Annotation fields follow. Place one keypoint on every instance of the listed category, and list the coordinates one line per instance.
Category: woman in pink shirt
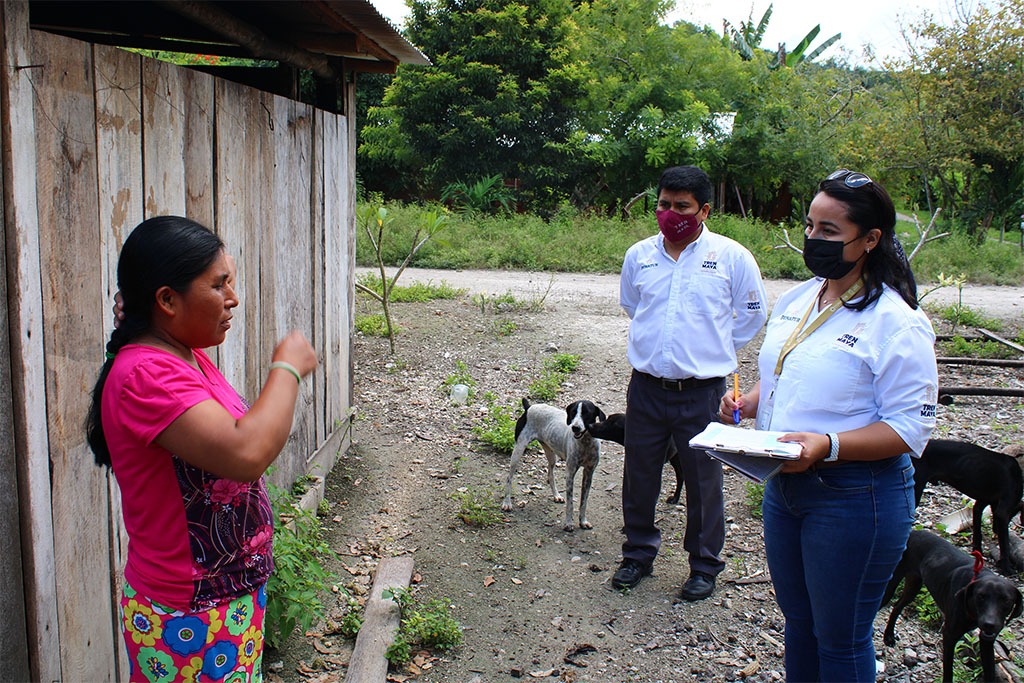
(189, 455)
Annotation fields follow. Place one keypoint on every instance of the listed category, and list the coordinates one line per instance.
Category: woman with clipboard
(848, 370)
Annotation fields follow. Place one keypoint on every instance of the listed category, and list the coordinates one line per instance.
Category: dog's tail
(521, 422)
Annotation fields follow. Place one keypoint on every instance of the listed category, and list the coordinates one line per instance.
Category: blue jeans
(833, 536)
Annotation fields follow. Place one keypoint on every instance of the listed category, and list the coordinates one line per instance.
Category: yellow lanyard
(799, 333)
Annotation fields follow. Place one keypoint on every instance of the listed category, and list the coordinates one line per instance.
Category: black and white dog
(562, 434)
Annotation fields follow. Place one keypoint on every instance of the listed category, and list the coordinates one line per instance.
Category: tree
(499, 98)
(747, 41)
(654, 96)
(954, 118)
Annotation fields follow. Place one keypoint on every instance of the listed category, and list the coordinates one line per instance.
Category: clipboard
(756, 468)
(757, 455)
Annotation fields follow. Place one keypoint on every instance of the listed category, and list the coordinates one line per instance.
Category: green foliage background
(583, 103)
(586, 242)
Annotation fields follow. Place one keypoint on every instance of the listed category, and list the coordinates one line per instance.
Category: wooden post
(380, 623)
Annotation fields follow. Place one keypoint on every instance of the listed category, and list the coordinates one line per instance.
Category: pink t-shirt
(195, 539)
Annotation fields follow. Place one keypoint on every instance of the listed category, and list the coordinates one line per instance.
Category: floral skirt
(224, 643)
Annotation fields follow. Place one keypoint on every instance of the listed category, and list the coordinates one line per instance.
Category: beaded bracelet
(280, 364)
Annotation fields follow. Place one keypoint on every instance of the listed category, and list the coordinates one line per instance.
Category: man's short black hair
(689, 179)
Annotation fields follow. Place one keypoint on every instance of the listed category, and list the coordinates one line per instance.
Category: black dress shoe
(697, 587)
(629, 574)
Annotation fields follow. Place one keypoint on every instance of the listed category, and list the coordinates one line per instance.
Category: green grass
(498, 427)
(417, 292)
(478, 508)
(375, 325)
(570, 242)
(423, 625)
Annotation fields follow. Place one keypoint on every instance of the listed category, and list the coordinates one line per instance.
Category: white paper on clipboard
(753, 442)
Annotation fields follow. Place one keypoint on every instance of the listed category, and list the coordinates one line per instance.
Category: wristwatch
(833, 448)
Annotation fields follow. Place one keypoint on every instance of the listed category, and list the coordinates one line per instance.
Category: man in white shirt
(694, 298)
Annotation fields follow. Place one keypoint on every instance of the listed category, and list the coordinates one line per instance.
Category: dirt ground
(535, 601)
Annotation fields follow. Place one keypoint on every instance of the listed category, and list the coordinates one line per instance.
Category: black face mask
(824, 258)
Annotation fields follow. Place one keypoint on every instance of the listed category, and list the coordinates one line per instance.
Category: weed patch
(299, 574)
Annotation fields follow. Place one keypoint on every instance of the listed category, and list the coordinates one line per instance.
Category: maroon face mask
(677, 227)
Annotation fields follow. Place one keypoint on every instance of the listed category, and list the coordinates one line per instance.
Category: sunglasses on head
(849, 178)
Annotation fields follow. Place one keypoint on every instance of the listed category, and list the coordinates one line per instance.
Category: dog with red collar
(968, 595)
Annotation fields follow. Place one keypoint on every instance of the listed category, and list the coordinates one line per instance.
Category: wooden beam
(381, 618)
(261, 45)
(995, 337)
(988, 362)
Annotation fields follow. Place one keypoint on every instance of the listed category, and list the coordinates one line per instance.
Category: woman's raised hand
(296, 350)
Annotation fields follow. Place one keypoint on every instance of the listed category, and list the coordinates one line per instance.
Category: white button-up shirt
(689, 317)
(858, 368)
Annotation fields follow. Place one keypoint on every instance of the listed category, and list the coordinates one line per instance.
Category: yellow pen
(736, 397)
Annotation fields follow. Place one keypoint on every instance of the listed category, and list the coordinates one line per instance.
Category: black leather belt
(688, 384)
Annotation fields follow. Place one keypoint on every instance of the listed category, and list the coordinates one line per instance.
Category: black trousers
(657, 414)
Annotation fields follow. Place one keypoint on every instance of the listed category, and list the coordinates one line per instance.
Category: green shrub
(975, 348)
(755, 496)
(960, 315)
(299, 575)
(375, 325)
(498, 428)
(597, 244)
(478, 508)
(564, 363)
(417, 292)
(428, 625)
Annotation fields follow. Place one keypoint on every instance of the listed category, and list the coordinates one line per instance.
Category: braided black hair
(163, 251)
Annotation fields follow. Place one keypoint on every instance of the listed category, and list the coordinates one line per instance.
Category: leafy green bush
(299, 575)
(375, 325)
(460, 375)
(961, 315)
(498, 428)
(590, 243)
(556, 369)
(975, 348)
(478, 508)
(417, 292)
(755, 496)
(564, 363)
(428, 625)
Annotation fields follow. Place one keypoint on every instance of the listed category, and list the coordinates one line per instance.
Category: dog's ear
(601, 417)
(1017, 606)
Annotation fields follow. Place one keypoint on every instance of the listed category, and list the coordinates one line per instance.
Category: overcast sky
(874, 22)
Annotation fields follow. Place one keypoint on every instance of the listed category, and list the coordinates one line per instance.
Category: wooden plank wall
(118, 138)
(13, 646)
(66, 185)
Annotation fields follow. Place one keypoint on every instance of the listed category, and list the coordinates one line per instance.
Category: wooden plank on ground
(995, 337)
(69, 241)
(381, 617)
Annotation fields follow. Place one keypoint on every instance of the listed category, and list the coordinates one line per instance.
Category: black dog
(967, 600)
(614, 429)
(990, 478)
